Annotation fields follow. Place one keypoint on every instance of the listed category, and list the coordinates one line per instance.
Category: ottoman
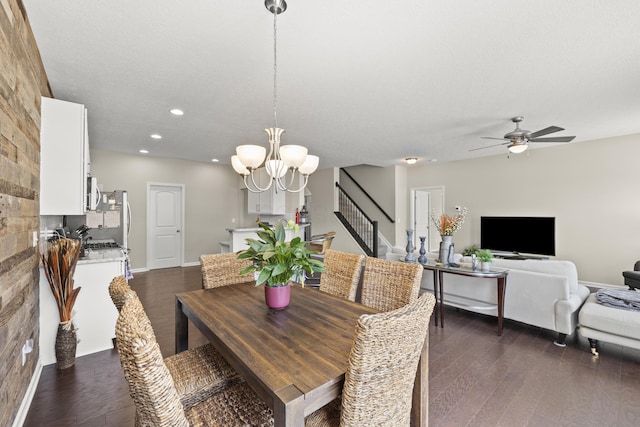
(609, 324)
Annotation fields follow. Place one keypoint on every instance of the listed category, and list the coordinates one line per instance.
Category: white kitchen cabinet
(94, 314)
(64, 158)
(267, 202)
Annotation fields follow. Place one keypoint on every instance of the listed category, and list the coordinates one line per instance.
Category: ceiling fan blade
(545, 131)
(489, 146)
(554, 139)
(490, 137)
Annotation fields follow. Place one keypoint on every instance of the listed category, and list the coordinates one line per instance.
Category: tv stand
(518, 256)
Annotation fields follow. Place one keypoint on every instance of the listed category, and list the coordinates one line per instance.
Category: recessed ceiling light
(177, 112)
(144, 151)
(215, 160)
(156, 136)
(411, 160)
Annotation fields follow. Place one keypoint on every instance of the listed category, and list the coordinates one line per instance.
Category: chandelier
(280, 159)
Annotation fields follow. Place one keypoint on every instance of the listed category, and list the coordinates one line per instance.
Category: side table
(438, 287)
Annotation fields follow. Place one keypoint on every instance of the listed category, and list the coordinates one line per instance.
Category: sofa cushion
(615, 321)
(555, 267)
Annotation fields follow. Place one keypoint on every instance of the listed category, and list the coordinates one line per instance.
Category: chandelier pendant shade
(282, 163)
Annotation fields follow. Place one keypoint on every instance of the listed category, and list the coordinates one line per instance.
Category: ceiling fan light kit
(279, 159)
(517, 141)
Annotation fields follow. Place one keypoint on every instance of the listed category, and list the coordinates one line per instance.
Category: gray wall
(213, 198)
(591, 188)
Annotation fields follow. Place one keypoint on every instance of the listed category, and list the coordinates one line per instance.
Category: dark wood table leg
(182, 328)
(435, 294)
(288, 408)
(502, 282)
(440, 276)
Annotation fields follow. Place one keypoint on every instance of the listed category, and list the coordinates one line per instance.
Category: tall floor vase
(66, 343)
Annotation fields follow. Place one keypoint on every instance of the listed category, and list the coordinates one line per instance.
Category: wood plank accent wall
(22, 81)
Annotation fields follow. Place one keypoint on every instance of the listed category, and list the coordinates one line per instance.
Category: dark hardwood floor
(476, 377)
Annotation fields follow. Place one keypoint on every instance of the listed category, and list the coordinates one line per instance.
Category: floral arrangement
(278, 262)
(447, 225)
(59, 264)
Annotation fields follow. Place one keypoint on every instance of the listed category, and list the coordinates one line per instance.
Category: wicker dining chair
(383, 363)
(223, 269)
(198, 372)
(388, 285)
(119, 291)
(342, 274)
(154, 392)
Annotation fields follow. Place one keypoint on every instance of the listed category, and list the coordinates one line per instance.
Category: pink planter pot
(277, 298)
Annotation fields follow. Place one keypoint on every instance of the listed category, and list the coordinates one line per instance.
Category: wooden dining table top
(300, 352)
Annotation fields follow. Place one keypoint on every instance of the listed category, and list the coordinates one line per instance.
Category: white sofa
(543, 293)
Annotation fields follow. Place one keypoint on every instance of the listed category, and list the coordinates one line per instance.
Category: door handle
(177, 231)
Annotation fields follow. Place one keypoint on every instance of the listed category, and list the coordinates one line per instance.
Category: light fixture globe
(293, 155)
(275, 168)
(517, 147)
(310, 165)
(238, 166)
(251, 156)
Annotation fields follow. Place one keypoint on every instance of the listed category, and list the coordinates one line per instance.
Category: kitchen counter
(239, 234)
(243, 229)
(93, 313)
(102, 256)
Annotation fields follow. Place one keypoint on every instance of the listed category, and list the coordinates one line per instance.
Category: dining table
(295, 359)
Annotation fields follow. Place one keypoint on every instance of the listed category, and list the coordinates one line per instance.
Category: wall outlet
(26, 349)
(35, 239)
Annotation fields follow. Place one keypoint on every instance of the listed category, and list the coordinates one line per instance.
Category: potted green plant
(484, 257)
(277, 263)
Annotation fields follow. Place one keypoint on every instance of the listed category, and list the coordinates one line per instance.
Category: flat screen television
(518, 234)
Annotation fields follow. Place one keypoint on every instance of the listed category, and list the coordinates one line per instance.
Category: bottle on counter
(297, 216)
(304, 215)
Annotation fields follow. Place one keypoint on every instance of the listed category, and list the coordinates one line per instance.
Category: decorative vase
(66, 343)
(445, 254)
(422, 259)
(409, 257)
(277, 297)
(485, 266)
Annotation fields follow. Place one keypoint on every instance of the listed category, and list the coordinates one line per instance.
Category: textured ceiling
(359, 82)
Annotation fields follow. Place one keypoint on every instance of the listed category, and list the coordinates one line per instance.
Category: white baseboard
(184, 264)
(594, 286)
(21, 416)
(190, 264)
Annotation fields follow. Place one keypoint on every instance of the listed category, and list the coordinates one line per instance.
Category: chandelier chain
(275, 65)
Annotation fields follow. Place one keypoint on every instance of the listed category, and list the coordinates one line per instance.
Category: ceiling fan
(517, 141)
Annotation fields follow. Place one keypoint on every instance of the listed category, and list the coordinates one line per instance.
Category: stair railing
(362, 228)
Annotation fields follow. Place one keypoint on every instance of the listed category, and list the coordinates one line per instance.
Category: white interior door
(422, 225)
(165, 223)
(425, 201)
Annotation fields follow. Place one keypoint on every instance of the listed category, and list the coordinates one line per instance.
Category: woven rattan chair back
(383, 363)
(119, 291)
(388, 285)
(342, 274)
(150, 383)
(223, 269)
